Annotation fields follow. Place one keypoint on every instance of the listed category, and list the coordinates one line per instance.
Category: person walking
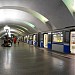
(14, 40)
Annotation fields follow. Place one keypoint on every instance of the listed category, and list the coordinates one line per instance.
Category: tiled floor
(28, 60)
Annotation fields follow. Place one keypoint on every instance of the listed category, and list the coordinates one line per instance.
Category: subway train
(59, 40)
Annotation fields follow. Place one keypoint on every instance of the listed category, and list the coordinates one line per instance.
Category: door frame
(43, 39)
(72, 30)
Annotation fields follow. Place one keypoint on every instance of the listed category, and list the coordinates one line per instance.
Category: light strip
(20, 30)
(74, 5)
(27, 23)
(70, 4)
(23, 27)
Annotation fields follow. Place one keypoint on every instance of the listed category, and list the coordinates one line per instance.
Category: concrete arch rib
(32, 12)
(18, 24)
(13, 30)
(12, 33)
(41, 18)
(21, 28)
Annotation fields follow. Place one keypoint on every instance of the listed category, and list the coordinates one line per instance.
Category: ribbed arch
(30, 11)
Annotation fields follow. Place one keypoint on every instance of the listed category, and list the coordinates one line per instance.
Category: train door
(34, 39)
(45, 40)
(72, 42)
(28, 39)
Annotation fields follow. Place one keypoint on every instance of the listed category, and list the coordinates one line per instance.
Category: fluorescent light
(49, 33)
(7, 30)
(74, 5)
(21, 30)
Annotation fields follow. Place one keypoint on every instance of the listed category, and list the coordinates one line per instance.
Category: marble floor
(24, 59)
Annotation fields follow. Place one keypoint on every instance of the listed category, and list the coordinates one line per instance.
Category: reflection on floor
(28, 60)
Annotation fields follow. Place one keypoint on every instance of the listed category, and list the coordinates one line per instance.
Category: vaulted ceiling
(32, 16)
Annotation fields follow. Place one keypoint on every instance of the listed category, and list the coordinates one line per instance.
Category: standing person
(14, 40)
(18, 41)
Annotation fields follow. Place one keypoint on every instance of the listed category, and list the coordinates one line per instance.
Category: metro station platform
(24, 59)
(69, 56)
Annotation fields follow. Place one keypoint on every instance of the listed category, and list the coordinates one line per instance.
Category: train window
(58, 37)
(31, 37)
